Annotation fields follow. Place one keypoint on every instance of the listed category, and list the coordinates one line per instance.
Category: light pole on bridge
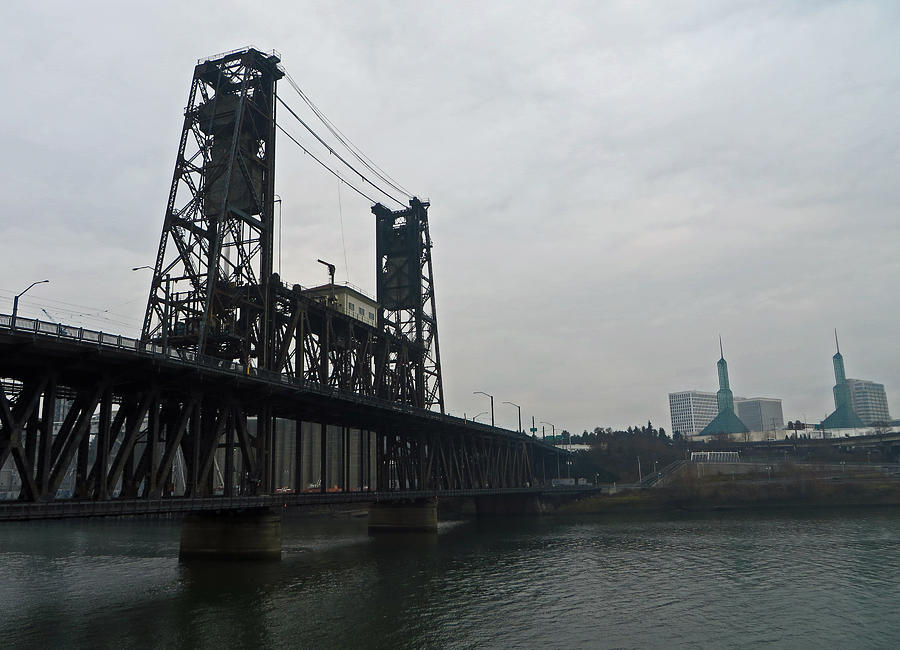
(519, 430)
(481, 392)
(168, 280)
(16, 301)
(475, 417)
(553, 428)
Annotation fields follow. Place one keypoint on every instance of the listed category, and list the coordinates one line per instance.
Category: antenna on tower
(721, 349)
(836, 344)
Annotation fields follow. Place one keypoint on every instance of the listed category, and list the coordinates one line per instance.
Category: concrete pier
(416, 516)
(232, 535)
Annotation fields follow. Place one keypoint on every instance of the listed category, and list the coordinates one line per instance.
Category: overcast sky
(613, 185)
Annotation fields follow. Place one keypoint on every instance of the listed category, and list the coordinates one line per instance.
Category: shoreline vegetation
(756, 487)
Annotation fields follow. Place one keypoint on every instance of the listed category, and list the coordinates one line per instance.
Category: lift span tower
(214, 292)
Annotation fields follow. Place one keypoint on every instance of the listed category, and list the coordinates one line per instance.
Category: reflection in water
(828, 579)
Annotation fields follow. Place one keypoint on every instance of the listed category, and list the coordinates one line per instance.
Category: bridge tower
(405, 294)
(210, 291)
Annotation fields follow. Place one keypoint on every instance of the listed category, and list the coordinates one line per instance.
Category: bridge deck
(35, 344)
(70, 508)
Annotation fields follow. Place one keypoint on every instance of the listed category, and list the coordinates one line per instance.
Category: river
(790, 579)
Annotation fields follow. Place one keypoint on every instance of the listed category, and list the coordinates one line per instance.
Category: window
(371, 316)
(352, 306)
(362, 310)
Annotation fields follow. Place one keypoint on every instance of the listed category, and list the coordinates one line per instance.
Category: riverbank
(686, 495)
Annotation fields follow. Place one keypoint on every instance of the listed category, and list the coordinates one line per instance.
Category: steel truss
(406, 302)
(135, 423)
(453, 463)
(214, 263)
(122, 441)
(213, 291)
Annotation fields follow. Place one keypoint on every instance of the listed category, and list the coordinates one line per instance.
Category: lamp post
(481, 392)
(552, 428)
(16, 301)
(475, 418)
(168, 280)
(519, 430)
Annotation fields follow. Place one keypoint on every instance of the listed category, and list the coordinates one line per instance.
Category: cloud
(612, 184)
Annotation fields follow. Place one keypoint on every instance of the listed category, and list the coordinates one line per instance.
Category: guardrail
(83, 336)
(656, 477)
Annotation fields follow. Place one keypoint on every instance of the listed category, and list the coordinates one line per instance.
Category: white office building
(869, 401)
(760, 413)
(691, 410)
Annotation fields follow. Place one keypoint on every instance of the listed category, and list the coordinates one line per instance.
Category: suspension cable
(356, 151)
(336, 175)
(336, 154)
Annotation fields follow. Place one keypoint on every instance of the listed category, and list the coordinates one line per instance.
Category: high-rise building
(691, 411)
(844, 417)
(727, 420)
(869, 401)
(760, 413)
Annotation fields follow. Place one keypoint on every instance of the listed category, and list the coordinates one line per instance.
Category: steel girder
(126, 440)
(463, 462)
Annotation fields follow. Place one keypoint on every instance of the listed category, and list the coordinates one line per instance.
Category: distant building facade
(760, 413)
(691, 410)
(869, 401)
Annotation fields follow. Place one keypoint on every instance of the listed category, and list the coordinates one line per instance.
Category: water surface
(826, 579)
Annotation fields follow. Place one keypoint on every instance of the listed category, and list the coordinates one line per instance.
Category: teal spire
(840, 377)
(726, 421)
(841, 389)
(844, 416)
(724, 398)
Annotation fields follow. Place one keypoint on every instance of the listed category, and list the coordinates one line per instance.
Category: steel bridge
(242, 386)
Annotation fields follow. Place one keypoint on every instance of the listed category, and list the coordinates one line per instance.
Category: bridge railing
(188, 358)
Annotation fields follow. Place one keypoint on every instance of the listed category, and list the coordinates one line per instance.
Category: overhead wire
(76, 311)
(329, 169)
(343, 139)
(337, 155)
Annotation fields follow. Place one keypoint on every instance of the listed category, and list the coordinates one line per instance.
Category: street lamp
(168, 280)
(553, 427)
(519, 430)
(481, 392)
(475, 418)
(16, 300)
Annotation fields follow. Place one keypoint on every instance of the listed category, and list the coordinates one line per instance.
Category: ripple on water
(734, 580)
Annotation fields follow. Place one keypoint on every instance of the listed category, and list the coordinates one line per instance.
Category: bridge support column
(232, 535)
(415, 516)
(511, 504)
